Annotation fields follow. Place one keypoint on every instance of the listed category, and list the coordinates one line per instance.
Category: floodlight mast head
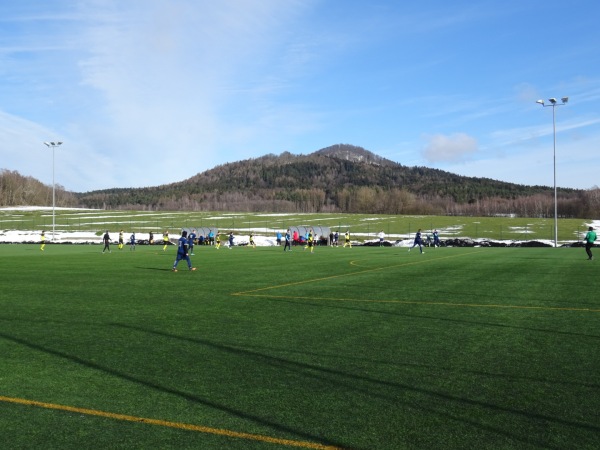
(564, 100)
(541, 102)
(552, 100)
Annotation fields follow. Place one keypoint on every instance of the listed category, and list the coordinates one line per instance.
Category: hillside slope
(341, 177)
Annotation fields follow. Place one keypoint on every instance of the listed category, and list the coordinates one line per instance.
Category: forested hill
(340, 178)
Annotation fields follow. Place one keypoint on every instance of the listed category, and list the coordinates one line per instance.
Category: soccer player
(230, 239)
(191, 238)
(418, 241)
(182, 252)
(165, 239)
(218, 242)
(381, 238)
(436, 238)
(151, 238)
(120, 246)
(252, 240)
(311, 241)
(288, 241)
(590, 238)
(347, 239)
(43, 239)
(106, 239)
(132, 242)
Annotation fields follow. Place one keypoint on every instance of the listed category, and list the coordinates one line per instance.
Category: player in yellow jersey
(311, 241)
(218, 240)
(43, 239)
(165, 239)
(252, 240)
(121, 240)
(347, 239)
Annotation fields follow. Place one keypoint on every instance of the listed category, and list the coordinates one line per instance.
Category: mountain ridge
(340, 177)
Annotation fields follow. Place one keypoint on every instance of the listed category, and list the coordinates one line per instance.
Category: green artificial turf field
(363, 348)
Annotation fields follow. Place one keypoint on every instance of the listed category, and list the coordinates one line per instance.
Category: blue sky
(148, 92)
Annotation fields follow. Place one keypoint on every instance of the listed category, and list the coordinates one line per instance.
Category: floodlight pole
(554, 104)
(53, 145)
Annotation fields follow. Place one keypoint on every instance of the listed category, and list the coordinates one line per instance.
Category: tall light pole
(554, 103)
(53, 145)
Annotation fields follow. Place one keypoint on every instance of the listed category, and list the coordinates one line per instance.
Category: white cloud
(449, 148)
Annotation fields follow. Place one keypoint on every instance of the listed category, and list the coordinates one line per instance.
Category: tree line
(20, 190)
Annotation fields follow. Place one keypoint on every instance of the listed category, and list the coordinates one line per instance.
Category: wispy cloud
(455, 147)
(152, 92)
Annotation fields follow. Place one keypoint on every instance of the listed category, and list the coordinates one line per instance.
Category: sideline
(164, 423)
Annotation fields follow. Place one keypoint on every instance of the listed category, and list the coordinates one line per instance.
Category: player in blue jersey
(288, 241)
(191, 239)
(418, 241)
(436, 238)
(182, 252)
(132, 241)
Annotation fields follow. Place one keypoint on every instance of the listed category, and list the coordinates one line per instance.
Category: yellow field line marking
(163, 423)
(331, 277)
(413, 302)
(254, 292)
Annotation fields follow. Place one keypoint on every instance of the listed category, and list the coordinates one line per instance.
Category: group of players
(185, 244)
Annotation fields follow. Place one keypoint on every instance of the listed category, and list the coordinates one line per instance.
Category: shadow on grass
(434, 402)
(158, 269)
(348, 380)
(441, 319)
(181, 394)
